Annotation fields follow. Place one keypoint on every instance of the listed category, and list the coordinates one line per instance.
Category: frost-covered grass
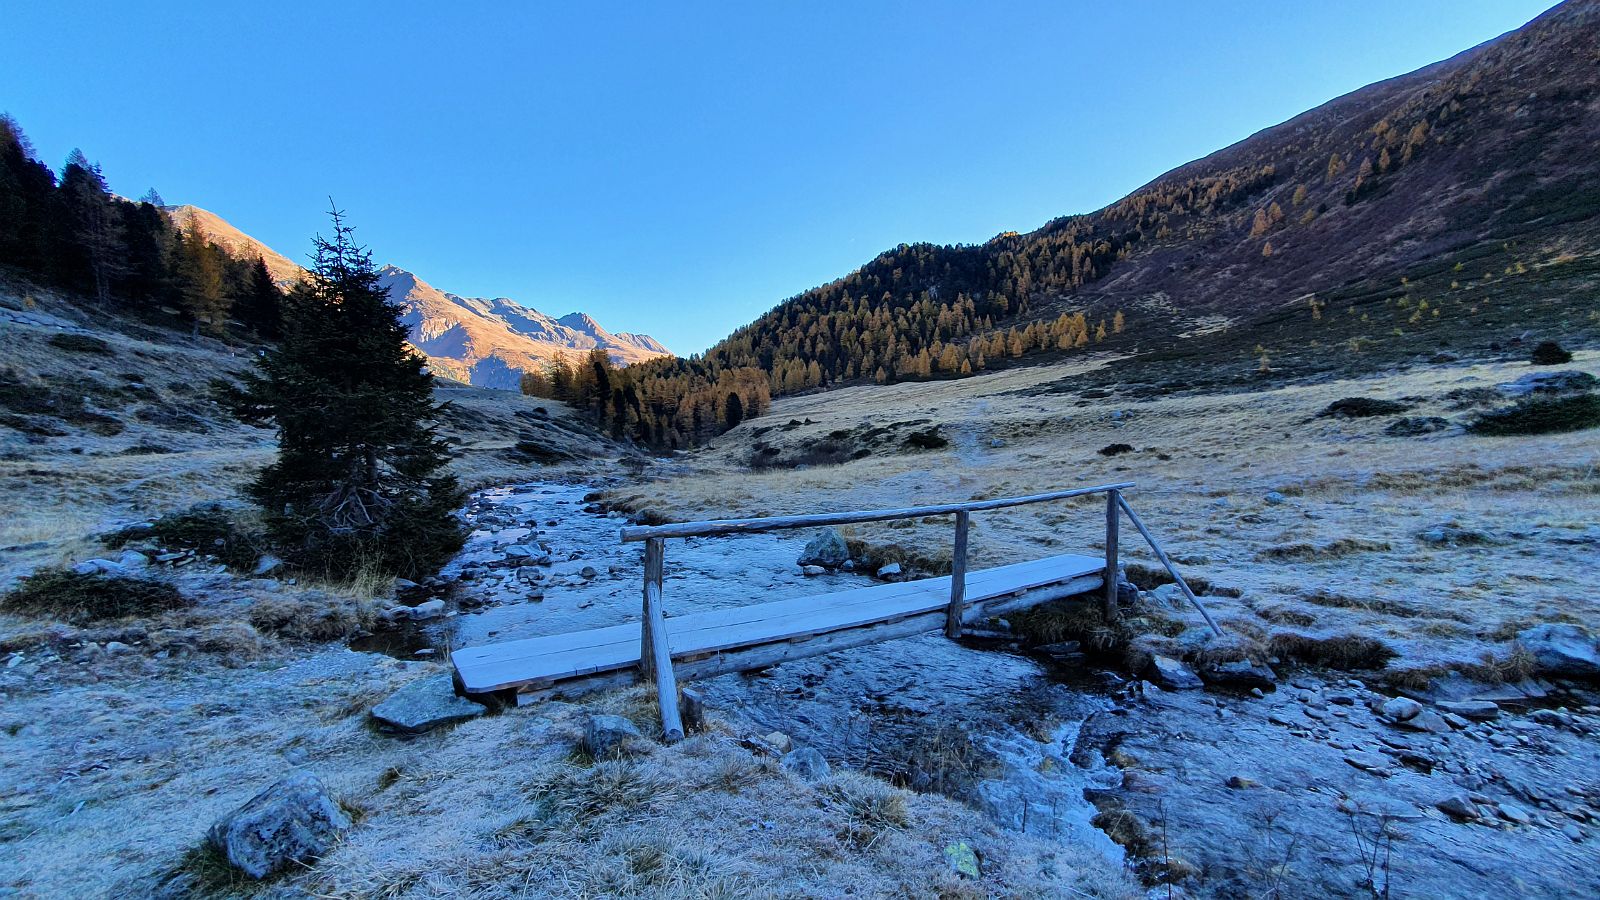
(1355, 500)
(501, 806)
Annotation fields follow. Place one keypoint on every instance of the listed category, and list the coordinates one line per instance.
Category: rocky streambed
(1317, 786)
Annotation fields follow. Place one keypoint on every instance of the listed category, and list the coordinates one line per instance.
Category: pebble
(1400, 709)
(1458, 806)
(1514, 813)
(1470, 709)
(1367, 760)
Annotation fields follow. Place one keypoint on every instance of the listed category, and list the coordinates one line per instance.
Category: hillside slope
(1467, 188)
(238, 244)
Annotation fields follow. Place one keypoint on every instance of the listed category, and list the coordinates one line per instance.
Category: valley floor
(1328, 546)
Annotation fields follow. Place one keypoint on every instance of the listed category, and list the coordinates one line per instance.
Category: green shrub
(1361, 408)
(927, 439)
(1541, 415)
(1550, 353)
(81, 343)
(79, 599)
(207, 529)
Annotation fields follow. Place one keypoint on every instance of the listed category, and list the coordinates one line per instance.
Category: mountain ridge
(487, 342)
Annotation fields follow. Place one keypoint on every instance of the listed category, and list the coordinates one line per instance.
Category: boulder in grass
(827, 549)
(806, 762)
(425, 704)
(1172, 674)
(605, 736)
(293, 821)
(1562, 649)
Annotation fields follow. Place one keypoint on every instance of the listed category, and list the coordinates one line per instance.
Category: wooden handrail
(1171, 569)
(655, 657)
(774, 523)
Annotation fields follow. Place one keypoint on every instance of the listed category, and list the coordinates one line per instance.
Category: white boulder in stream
(425, 704)
(294, 821)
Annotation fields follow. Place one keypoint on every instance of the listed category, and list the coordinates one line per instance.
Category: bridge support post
(1113, 521)
(655, 656)
(958, 578)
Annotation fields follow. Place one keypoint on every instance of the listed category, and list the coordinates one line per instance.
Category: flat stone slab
(425, 704)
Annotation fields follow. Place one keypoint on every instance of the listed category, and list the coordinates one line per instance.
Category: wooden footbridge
(714, 642)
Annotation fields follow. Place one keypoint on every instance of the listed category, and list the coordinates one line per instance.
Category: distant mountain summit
(485, 342)
(491, 342)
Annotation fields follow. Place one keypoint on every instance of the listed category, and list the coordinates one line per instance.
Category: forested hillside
(133, 257)
(1459, 197)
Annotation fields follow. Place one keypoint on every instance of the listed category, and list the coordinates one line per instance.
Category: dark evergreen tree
(358, 481)
(27, 205)
(259, 301)
(733, 411)
(91, 254)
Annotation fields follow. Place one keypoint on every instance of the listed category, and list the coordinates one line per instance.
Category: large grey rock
(425, 704)
(806, 762)
(1562, 649)
(1549, 383)
(827, 549)
(294, 821)
(1241, 674)
(428, 609)
(266, 565)
(133, 560)
(609, 735)
(1173, 674)
(98, 567)
(1471, 709)
(1458, 806)
(1400, 709)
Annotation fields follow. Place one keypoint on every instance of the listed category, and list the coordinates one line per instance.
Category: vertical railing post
(1113, 521)
(655, 655)
(655, 552)
(958, 578)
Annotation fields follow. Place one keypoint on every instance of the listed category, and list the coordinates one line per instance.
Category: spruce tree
(359, 479)
(259, 301)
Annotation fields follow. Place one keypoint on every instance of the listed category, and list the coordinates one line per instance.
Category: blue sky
(678, 168)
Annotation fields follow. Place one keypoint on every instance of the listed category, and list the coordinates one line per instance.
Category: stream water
(990, 727)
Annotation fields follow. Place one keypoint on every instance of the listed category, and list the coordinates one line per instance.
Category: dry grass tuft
(1340, 651)
(868, 806)
(310, 616)
(1339, 549)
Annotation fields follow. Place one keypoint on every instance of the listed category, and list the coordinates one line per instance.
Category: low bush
(1361, 408)
(312, 616)
(1549, 353)
(82, 343)
(1115, 449)
(208, 529)
(927, 439)
(79, 599)
(1541, 415)
(1342, 651)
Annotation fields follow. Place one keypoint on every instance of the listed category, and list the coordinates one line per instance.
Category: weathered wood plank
(818, 520)
(654, 566)
(556, 657)
(765, 655)
(1113, 521)
(660, 659)
(958, 578)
